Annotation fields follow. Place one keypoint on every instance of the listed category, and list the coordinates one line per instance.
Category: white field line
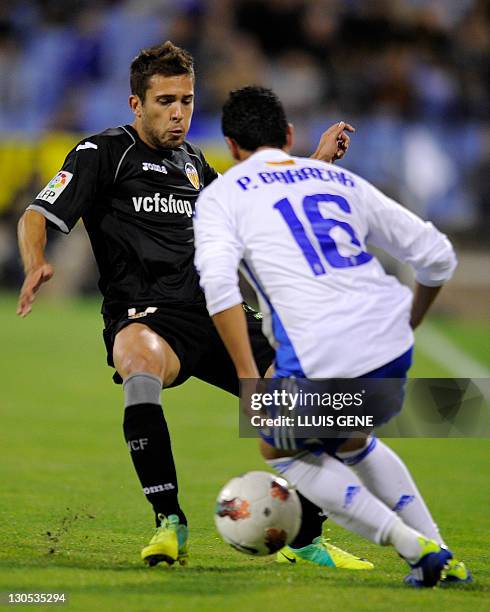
(439, 348)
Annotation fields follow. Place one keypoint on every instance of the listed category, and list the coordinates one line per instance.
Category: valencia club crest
(192, 175)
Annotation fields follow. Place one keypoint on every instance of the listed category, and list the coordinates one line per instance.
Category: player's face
(165, 115)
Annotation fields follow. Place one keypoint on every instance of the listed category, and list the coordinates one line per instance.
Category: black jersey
(137, 205)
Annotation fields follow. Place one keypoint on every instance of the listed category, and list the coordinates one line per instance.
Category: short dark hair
(166, 59)
(254, 117)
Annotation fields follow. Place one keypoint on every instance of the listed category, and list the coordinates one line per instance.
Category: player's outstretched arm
(32, 242)
(334, 142)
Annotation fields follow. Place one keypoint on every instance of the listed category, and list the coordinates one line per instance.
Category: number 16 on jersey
(321, 227)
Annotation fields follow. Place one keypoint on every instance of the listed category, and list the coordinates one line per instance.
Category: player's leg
(381, 469)
(387, 477)
(384, 473)
(331, 485)
(146, 362)
(310, 545)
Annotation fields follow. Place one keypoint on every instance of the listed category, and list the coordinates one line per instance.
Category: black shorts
(192, 335)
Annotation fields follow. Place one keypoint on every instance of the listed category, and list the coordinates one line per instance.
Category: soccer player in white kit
(298, 229)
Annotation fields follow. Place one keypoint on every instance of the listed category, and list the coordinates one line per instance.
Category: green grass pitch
(73, 518)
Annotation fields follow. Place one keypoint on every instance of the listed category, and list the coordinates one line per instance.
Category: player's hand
(334, 142)
(252, 386)
(33, 281)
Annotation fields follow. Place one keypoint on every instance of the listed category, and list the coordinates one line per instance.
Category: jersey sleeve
(71, 193)
(409, 239)
(218, 250)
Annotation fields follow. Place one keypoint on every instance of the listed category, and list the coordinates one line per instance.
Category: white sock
(387, 477)
(331, 485)
(405, 540)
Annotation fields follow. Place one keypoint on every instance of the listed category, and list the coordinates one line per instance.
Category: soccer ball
(258, 513)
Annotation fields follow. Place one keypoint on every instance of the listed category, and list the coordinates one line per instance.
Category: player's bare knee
(137, 359)
(139, 362)
(137, 349)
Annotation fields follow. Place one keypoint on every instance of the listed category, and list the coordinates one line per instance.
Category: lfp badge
(55, 187)
(192, 175)
(59, 180)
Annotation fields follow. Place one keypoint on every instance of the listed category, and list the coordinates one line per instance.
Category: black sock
(311, 523)
(146, 433)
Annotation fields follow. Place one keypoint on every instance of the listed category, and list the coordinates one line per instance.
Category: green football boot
(169, 544)
(320, 552)
(456, 573)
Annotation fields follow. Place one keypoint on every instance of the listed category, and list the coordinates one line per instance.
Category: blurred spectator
(275, 23)
(10, 58)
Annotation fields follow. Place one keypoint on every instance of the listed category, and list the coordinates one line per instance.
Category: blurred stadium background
(411, 75)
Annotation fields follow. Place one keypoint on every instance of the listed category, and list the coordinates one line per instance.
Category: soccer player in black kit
(135, 187)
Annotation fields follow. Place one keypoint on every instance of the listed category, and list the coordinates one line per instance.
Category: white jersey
(300, 229)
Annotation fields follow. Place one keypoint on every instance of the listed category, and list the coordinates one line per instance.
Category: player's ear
(234, 148)
(135, 105)
(290, 136)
